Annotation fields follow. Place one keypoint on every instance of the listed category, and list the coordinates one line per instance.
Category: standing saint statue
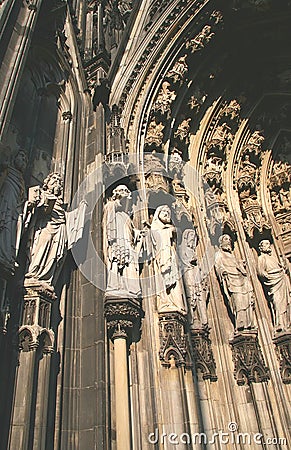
(121, 246)
(195, 287)
(235, 284)
(12, 198)
(169, 287)
(52, 231)
(275, 279)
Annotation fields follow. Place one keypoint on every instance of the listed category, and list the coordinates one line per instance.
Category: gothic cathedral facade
(145, 224)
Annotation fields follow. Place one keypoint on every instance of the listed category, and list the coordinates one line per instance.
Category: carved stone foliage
(249, 365)
(280, 186)
(202, 354)
(174, 346)
(283, 350)
(123, 317)
(248, 178)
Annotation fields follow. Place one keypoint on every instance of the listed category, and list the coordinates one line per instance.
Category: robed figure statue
(121, 246)
(275, 279)
(168, 279)
(235, 284)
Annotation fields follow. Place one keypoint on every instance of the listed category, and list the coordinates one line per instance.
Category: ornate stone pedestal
(174, 346)
(36, 318)
(282, 342)
(202, 353)
(249, 365)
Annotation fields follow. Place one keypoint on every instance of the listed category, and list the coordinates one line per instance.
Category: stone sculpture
(235, 284)
(121, 246)
(52, 231)
(195, 287)
(168, 279)
(275, 279)
(12, 198)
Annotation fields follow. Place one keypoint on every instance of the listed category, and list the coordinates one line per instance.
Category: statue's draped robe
(120, 254)
(277, 283)
(237, 288)
(168, 279)
(194, 285)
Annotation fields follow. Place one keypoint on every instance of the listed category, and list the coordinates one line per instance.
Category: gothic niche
(248, 179)
(239, 296)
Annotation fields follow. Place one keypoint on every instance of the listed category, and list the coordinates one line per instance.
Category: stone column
(123, 324)
(36, 342)
(123, 438)
(19, 431)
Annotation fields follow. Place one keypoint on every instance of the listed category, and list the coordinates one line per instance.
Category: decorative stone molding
(202, 354)
(282, 342)
(123, 317)
(67, 115)
(174, 348)
(249, 365)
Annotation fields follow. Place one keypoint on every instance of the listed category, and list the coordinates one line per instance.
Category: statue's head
(165, 214)
(20, 161)
(265, 246)
(121, 191)
(53, 184)
(225, 242)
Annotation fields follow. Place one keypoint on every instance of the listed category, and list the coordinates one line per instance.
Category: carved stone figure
(120, 246)
(179, 69)
(195, 287)
(275, 279)
(198, 43)
(12, 197)
(165, 98)
(183, 129)
(168, 280)
(52, 231)
(155, 133)
(235, 284)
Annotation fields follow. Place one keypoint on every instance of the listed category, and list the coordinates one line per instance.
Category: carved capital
(249, 365)
(174, 345)
(123, 317)
(67, 115)
(282, 342)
